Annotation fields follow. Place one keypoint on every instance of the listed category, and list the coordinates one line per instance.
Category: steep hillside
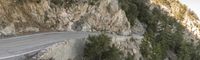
(183, 15)
(25, 16)
(172, 29)
(167, 29)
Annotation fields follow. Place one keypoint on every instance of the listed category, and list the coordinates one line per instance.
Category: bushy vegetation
(130, 9)
(93, 2)
(163, 34)
(98, 48)
(158, 42)
(188, 51)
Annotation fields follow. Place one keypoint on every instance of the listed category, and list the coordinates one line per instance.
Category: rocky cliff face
(25, 16)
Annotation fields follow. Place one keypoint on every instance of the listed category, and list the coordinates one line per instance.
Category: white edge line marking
(19, 54)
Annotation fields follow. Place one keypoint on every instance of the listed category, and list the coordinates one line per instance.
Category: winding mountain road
(10, 48)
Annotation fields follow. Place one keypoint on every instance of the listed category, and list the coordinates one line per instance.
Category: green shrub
(93, 2)
(130, 57)
(145, 48)
(188, 51)
(185, 51)
(98, 48)
(196, 53)
(57, 2)
(130, 9)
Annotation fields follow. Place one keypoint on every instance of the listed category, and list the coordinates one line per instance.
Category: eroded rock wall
(25, 16)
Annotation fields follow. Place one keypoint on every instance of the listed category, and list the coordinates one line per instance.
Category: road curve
(21, 45)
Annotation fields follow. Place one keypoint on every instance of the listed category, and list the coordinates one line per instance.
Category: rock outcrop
(25, 16)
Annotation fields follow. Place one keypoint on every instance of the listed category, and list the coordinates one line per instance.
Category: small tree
(98, 48)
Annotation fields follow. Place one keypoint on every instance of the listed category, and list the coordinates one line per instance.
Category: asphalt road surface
(11, 48)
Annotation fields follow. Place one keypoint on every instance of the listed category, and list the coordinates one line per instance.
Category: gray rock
(138, 28)
(8, 30)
